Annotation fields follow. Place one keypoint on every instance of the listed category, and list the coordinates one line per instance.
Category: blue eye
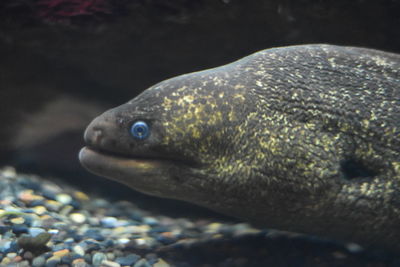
(140, 130)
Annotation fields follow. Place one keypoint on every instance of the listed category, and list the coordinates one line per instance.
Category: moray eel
(301, 138)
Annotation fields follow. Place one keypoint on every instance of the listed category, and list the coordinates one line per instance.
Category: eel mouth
(114, 165)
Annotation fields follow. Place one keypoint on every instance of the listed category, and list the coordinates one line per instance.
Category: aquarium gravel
(47, 223)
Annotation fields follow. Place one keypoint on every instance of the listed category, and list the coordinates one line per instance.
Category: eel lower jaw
(130, 171)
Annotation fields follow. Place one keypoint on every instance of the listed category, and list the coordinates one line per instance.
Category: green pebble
(98, 258)
(142, 263)
(78, 250)
(38, 261)
(80, 264)
(23, 264)
(107, 263)
(64, 198)
(110, 256)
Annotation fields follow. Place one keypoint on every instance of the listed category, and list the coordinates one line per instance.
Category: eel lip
(110, 165)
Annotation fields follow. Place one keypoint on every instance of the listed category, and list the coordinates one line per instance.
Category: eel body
(301, 138)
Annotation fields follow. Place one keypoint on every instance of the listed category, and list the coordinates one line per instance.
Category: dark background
(62, 62)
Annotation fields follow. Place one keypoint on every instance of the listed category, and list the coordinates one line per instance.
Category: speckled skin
(302, 138)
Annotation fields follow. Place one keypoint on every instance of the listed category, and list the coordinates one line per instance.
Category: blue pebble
(27, 211)
(88, 257)
(20, 229)
(87, 242)
(97, 236)
(94, 233)
(52, 263)
(150, 221)
(49, 194)
(37, 202)
(75, 204)
(28, 221)
(60, 247)
(98, 257)
(152, 261)
(47, 255)
(75, 256)
(108, 243)
(38, 261)
(92, 247)
(4, 229)
(109, 222)
(77, 237)
(165, 240)
(5, 246)
(69, 242)
(151, 258)
(13, 247)
(67, 260)
(34, 231)
(128, 260)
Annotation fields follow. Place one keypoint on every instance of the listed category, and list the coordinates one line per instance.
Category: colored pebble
(81, 196)
(128, 260)
(53, 205)
(8, 172)
(107, 263)
(95, 234)
(98, 258)
(77, 217)
(123, 241)
(53, 231)
(63, 198)
(109, 222)
(20, 229)
(7, 246)
(17, 220)
(34, 231)
(28, 196)
(4, 229)
(53, 261)
(6, 261)
(39, 210)
(23, 264)
(150, 221)
(81, 264)
(161, 263)
(61, 253)
(78, 250)
(17, 258)
(28, 255)
(142, 263)
(110, 256)
(66, 210)
(11, 255)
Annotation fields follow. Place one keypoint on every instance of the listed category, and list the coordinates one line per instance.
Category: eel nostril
(93, 135)
(97, 135)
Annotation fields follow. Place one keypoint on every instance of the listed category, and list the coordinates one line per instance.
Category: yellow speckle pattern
(283, 118)
(274, 129)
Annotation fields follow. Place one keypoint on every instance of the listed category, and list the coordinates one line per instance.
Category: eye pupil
(140, 130)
